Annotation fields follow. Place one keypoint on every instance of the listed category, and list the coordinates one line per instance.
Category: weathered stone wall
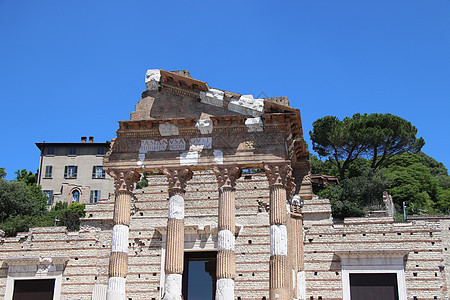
(425, 242)
(89, 249)
(445, 236)
(426, 265)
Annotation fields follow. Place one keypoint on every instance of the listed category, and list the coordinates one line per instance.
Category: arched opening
(75, 196)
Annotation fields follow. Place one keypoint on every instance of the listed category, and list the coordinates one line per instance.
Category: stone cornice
(200, 229)
(36, 260)
(372, 253)
(177, 81)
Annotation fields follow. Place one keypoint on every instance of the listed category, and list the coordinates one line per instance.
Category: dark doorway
(41, 289)
(373, 286)
(199, 276)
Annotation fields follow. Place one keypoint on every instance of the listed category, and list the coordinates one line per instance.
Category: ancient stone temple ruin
(225, 181)
(202, 139)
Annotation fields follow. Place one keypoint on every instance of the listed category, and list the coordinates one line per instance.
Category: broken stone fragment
(247, 105)
(254, 124)
(189, 158)
(167, 129)
(278, 240)
(205, 126)
(176, 207)
(152, 79)
(218, 156)
(212, 97)
(225, 289)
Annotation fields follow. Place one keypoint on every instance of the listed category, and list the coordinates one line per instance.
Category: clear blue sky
(75, 68)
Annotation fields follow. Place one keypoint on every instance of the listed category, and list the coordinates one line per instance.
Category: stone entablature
(142, 141)
(36, 265)
(35, 268)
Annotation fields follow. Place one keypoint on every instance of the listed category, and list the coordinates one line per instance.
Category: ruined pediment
(182, 121)
(175, 94)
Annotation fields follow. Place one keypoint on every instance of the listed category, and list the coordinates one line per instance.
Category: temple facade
(229, 187)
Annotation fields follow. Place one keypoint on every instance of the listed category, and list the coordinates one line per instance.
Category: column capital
(177, 177)
(124, 179)
(227, 175)
(279, 174)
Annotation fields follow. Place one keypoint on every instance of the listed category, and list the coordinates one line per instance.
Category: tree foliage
(354, 194)
(387, 135)
(28, 177)
(143, 182)
(414, 178)
(69, 216)
(413, 183)
(16, 198)
(340, 141)
(23, 205)
(376, 137)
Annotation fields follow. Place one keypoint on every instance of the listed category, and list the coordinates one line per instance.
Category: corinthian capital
(177, 178)
(227, 175)
(124, 179)
(279, 174)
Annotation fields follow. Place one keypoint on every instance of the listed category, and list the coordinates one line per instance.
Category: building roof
(41, 145)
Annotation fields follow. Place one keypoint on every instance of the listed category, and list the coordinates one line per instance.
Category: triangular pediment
(172, 95)
(183, 121)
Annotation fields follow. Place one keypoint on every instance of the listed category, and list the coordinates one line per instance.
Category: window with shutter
(95, 196)
(48, 171)
(49, 195)
(98, 172)
(70, 172)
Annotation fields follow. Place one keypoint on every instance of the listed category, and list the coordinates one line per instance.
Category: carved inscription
(162, 145)
(177, 144)
(153, 145)
(200, 143)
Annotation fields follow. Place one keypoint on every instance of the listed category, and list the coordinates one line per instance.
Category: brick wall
(426, 265)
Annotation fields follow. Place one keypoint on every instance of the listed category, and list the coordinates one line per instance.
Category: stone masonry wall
(424, 240)
(426, 265)
(89, 248)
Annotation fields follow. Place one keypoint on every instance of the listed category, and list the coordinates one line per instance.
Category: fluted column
(173, 268)
(226, 258)
(118, 260)
(278, 175)
(301, 288)
(297, 226)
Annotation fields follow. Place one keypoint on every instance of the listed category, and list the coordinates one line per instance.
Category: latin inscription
(162, 145)
(200, 143)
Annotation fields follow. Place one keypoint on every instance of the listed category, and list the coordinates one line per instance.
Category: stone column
(174, 263)
(301, 288)
(226, 258)
(297, 225)
(118, 260)
(291, 231)
(278, 175)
